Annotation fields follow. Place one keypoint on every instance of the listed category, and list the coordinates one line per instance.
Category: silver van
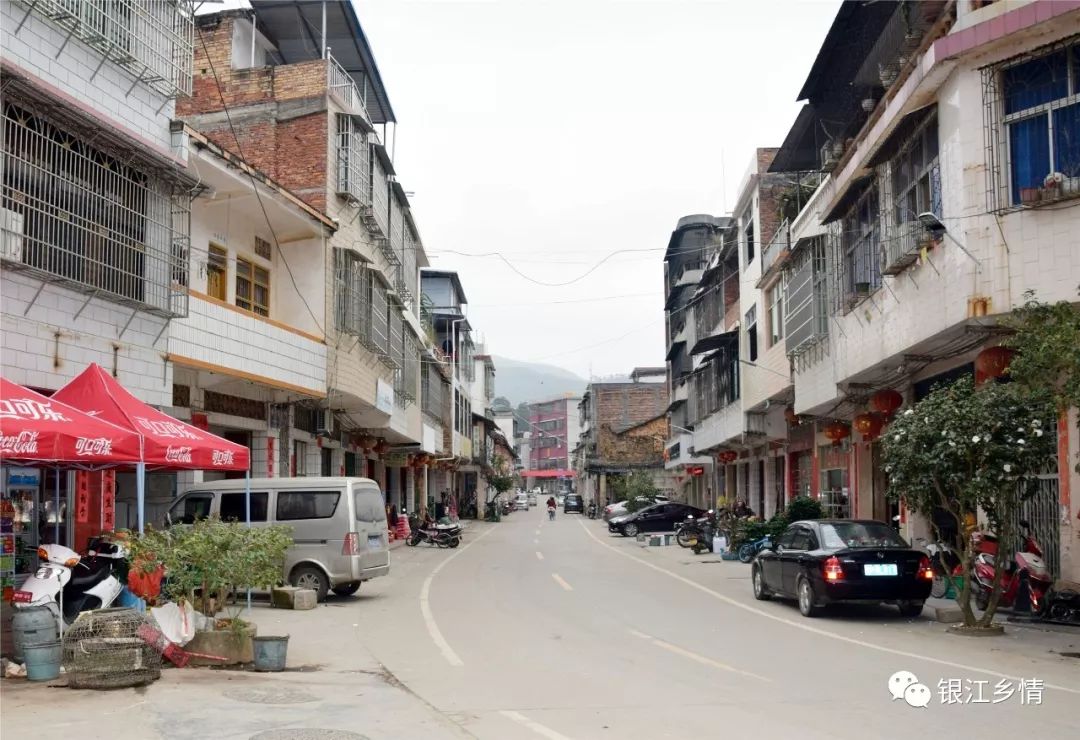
(338, 525)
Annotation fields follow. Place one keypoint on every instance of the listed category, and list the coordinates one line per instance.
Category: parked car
(843, 560)
(338, 525)
(560, 499)
(661, 517)
(532, 499)
(521, 502)
(619, 509)
(573, 502)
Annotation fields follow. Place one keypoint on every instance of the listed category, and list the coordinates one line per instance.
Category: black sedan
(573, 502)
(843, 560)
(660, 517)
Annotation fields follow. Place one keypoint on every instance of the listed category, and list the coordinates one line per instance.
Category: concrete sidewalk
(332, 683)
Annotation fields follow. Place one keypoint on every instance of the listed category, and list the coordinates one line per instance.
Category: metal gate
(1042, 512)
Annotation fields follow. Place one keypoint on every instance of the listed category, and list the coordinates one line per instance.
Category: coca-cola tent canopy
(36, 430)
(167, 442)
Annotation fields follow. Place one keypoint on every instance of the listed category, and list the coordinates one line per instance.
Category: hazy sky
(557, 133)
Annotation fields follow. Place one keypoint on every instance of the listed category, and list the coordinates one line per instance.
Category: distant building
(554, 427)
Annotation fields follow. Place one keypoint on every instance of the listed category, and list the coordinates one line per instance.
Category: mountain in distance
(519, 381)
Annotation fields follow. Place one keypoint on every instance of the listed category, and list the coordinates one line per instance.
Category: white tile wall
(221, 336)
(30, 348)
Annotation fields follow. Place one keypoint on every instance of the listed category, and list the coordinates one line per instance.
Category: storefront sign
(384, 397)
(269, 457)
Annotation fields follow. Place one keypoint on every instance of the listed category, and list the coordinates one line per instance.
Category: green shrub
(803, 507)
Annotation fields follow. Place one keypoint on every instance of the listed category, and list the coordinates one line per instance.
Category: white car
(619, 509)
(521, 502)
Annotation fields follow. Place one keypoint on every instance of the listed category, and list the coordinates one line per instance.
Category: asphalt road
(559, 630)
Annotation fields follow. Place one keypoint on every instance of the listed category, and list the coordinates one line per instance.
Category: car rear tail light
(925, 571)
(833, 570)
(351, 545)
(21, 597)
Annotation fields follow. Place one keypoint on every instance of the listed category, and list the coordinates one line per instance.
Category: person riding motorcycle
(551, 505)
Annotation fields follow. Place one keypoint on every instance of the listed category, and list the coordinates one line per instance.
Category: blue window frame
(1041, 99)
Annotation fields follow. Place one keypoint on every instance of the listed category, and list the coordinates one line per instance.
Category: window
(191, 507)
(1041, 106)
(217, 272)
(860, 240)
(292, 505)
(252, 287)
(751, 333)
(860, 534)
(369, 506)
(234, 508)
(299, 458)
(326, 462)
(916, 177)
(800, 540)
(748, 233)
(775, 298)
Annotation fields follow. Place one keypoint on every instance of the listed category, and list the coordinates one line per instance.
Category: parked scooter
(689, 531)
(1027, 565)
(1062, 603)
(440, 535)
(945, 563)
(68, 583)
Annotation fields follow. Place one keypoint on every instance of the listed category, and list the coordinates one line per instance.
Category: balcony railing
(779, 245)
(342, 85)
(901, 248)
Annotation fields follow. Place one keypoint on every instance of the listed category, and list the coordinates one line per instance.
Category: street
(538, 629)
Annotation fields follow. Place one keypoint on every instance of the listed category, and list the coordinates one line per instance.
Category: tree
(640, 490)
(968, 450)
(1047, 339)
(499, 475)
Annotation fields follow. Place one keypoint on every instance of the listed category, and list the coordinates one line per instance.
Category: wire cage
(110, 649)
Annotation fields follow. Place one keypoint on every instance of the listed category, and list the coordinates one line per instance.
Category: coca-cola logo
(178, 455)
(29, 408)
(167, 428)
(222, 457)
(23, 443)
(93, 446)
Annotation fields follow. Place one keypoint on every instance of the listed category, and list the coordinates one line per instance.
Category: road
(538, 629)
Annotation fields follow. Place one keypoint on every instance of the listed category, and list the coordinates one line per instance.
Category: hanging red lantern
(869, 425)
(887, 402)
(791, 417)
(837, 432)
(367, 442)
(728, 456)
(382, 446)
(991, 363)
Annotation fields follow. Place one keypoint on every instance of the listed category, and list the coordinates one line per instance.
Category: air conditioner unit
(11, 235)
(324, 423)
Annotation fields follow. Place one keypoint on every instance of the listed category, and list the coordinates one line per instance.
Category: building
(316, 123)
(554, 427)
(952, 178)
(95, 204)
(623, 429)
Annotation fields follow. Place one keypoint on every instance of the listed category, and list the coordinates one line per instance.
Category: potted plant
(1028, 196)
(205, 563)
(1053, 186)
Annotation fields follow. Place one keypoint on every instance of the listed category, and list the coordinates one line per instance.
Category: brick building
(623, 429)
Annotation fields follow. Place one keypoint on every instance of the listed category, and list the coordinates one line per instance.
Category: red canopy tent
(36, 430)
(167, 443)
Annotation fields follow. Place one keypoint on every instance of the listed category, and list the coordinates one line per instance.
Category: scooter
(945, 563)
(1062, 603)
(1027, 565)
(68, 584)
(592, 510)
(689, 531)
(440, 535)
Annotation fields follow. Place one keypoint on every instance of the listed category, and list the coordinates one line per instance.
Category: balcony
(775, 252)
(901, 249)
(689, 274)
(344, 88)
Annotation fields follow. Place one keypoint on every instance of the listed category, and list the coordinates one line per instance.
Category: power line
(554, 303)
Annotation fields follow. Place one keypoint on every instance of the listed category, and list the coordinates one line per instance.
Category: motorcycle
(749, 549)
(946, 564)
(592, 510)
(69, 584)
(1062, 603)
(688, 532)
(440, 535)
(1026, 567)
(491, 511)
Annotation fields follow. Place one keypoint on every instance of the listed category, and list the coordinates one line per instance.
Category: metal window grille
(860, 250)
(152, 39)
(352, 295)
(410, 367)
(76, 214)
(432, 392)
(252, 287)
(397, 340)
(409, 271)
(380, 193)
(806, 298)
(489, 382)
(380, 338)
(353, 155)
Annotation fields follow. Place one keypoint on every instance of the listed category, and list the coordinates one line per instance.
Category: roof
(716, 341)
(295, 26)
(428, 272)
(696, 221)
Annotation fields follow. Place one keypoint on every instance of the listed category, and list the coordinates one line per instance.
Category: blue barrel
(34, 625)
(270, 652)
(43, 661)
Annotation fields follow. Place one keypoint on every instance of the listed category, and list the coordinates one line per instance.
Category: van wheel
(310, 577)
(348, 589)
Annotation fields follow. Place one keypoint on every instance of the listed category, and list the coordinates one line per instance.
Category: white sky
(559, 132)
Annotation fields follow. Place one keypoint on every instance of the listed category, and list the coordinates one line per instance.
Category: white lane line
(559, 580)
(539, 555)
(536, 727)
(425, 607)
(536, 542)
(806, 627)
(696, 656)
(538, 532)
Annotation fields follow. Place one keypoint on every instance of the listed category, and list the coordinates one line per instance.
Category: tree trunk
(963, 600)
(1005, 536)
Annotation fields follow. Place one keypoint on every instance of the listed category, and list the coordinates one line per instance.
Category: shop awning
(547, 473)
(167, 442)
(716, 341)
(36, 430)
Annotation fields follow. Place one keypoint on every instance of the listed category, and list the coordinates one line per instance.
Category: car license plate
(880, 569)
(374, 541)
(21, 597)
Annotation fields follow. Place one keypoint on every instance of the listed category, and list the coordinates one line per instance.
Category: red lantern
(382, 446)
(869, 425)
(887, 402)
(992, 362)
(837, 431)
(728, 456)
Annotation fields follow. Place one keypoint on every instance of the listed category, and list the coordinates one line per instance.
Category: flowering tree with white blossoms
(971, 451)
